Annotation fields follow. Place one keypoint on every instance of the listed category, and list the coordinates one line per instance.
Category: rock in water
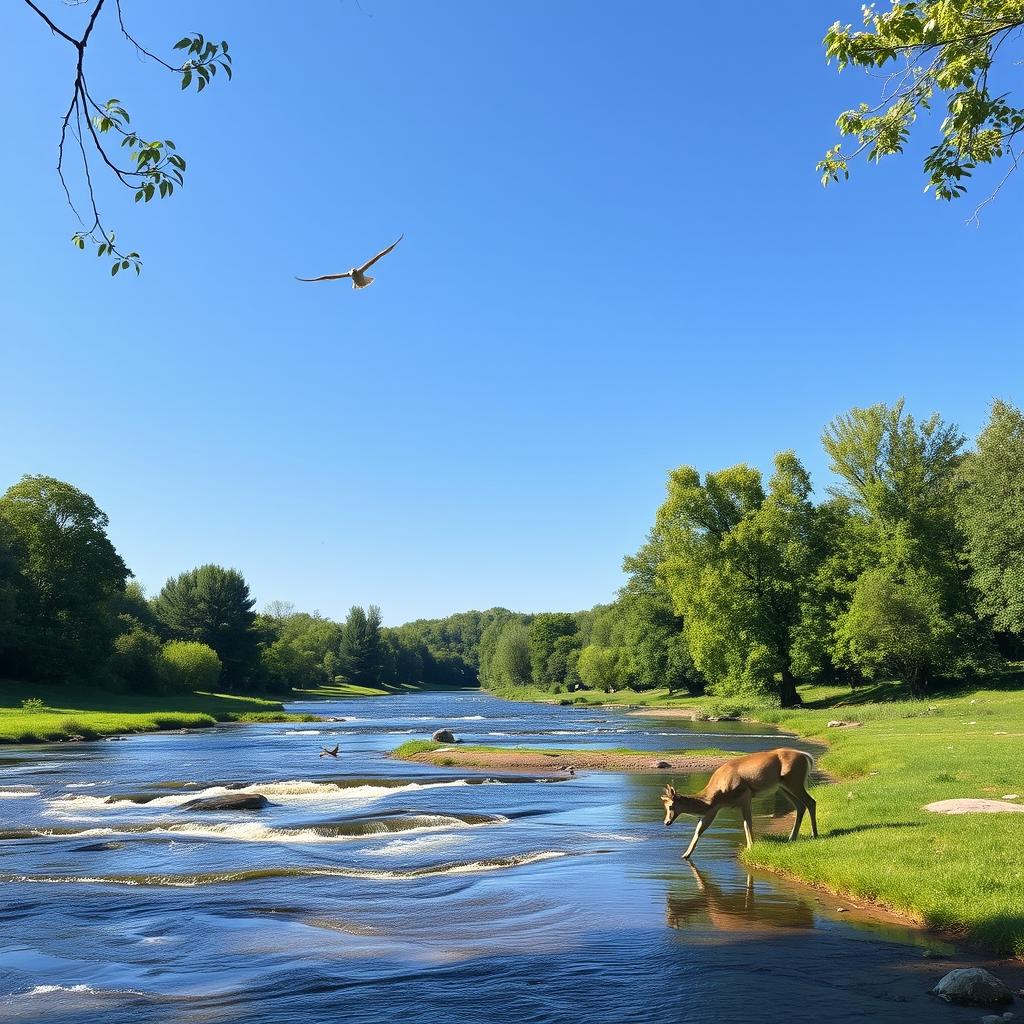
(443, 736)
(972, 985)
(228, 802)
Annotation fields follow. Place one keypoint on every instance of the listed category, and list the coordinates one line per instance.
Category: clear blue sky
(618, 259)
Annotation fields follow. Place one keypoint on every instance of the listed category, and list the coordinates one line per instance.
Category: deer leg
(702, 824)
(747, 823)
(797, 800)
(812, 806)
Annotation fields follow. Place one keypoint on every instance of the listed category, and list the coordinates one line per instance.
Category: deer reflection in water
(735, 911)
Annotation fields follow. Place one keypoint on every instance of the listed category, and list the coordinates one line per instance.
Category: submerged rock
(443, 736)
(228, 802)
(972, 985)
(97, 847)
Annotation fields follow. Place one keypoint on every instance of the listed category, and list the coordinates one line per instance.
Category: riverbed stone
(228, 802)
(972, 985)
(443, 736)
(971, 806)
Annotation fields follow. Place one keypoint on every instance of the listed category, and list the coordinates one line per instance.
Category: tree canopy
(932, 51)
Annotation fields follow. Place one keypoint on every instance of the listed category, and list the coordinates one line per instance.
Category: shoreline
(447, 755)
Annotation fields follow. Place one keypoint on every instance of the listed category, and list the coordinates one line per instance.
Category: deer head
(677, 803)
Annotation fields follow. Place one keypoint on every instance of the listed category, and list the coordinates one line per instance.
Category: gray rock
(228, 802)
(443, 736)
(661, 764)
(97, 847)
(972, 985)
(838, 723)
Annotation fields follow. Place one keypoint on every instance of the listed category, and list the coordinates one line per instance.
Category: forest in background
(910, 567)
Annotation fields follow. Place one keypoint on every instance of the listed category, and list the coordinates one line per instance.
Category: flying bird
(360, 279)
(329, 752)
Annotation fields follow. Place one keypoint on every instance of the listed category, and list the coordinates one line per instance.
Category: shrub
(136, 659)
(33, 704)
(189, 665)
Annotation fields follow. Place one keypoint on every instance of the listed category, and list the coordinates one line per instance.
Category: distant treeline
(70, 612)
(911, 567)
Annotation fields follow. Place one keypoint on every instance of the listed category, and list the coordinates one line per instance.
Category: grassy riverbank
(79, 711)
(343, 691)
(545, 758)
(964, 872)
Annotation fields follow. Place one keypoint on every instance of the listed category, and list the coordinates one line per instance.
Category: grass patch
(343, 691)
(34, 713)
(414, 747)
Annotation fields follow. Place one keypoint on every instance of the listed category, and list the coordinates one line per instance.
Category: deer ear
(670, 790)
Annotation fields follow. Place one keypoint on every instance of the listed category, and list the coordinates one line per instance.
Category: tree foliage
(934, 51)
(991, 513)
(212, 605)
(189, 665)
(102, 136)
(64, 575)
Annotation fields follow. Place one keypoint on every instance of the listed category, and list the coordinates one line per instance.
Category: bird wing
(369, 263)
(326, 277)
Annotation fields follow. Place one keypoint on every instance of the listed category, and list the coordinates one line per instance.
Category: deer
(330, 751)
(737, 782)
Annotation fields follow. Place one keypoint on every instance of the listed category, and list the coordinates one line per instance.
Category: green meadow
(36, 713)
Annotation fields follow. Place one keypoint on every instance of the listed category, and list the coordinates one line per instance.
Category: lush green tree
(601, 668)
(108, 141)
(70, 576)
(212, 605)
(12, 601)
(136, 661)
(545, 631)
(737, 561)
(189, 665)
(360, 657)
(901, 478)
(897, 625)
(510, 664)
(286, 665)
(991, 513)
(933, 49)
(654, 645)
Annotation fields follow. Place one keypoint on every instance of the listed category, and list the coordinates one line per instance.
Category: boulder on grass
(443, 736)
(661, 764)
(972, 985)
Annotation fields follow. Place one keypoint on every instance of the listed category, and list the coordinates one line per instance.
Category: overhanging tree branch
(154, 168)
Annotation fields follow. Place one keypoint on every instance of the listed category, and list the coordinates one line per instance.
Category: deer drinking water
(737, 782)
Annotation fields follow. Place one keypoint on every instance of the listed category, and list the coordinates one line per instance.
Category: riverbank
(537, 759)
(957, 873)
(86, 713)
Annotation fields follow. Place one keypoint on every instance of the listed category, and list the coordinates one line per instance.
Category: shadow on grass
(835, 833)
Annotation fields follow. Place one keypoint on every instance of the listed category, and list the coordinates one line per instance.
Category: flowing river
(377, 890)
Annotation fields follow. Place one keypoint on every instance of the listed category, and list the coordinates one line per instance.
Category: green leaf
(114, 269)
(182, 43)
(186, 79)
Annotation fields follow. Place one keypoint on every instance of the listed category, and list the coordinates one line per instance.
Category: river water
(376, 890)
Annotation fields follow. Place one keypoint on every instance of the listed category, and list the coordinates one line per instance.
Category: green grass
(81, 711)
(964, 873)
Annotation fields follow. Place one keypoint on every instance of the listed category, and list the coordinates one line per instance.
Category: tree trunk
(788, 697)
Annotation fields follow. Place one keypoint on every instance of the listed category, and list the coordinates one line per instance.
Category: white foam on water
(398, 847)
(14, 794)
(81, 785)
(293, 791)
(303, 732)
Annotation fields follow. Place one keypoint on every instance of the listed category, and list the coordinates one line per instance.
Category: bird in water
(330, 752)
(360, 279)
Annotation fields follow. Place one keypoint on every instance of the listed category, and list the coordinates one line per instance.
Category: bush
(33, 704)
(136, 659)
(189, 665)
